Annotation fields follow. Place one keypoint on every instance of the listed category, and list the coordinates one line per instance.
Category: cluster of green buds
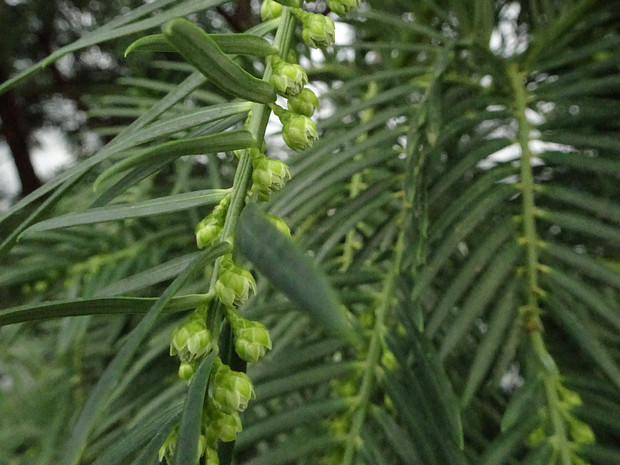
(287, 78)
(273, 8)
(268, 175)
(318, 31)
(230, 390)
(343, 7)
(191, 341)
(229, 394)
(251, 337)
(580, 433)
(298, 131)
(304, 103)
(235, 284)
(270, 10)
(221, 426)
(210, 226)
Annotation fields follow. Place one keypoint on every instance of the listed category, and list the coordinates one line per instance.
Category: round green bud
(288, 78)
(270, 10)
(318, 31)
(343, 7)
(186, 371)
(304, 103)
(232, 390)
(299, 132)
(235, 284)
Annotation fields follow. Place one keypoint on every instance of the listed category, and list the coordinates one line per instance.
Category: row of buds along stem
(318, 31)
(229, 394)
(230, 391)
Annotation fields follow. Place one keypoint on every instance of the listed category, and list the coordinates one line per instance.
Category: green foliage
(459, 212)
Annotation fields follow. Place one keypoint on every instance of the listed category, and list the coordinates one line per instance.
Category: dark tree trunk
(16, 136)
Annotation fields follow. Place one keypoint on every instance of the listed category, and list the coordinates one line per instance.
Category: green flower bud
(343, 7)
(318, 31)
(220, 426)
(232, 390)
(268, 176)
(280, 224)
(299, 132)
(207, 231)
(235, 284)
(251, 337)
(186, 371)
(270, 10)
(210, 226)
(304, 103)
(288, 78)
(250, 343)
(221, 209)
(228, 426)
(212, 457)
(191, 339)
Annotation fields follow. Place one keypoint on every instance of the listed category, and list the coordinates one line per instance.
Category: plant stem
(531, 315)
(375, 348)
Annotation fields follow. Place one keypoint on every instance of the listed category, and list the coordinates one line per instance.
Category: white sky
(48, 156)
